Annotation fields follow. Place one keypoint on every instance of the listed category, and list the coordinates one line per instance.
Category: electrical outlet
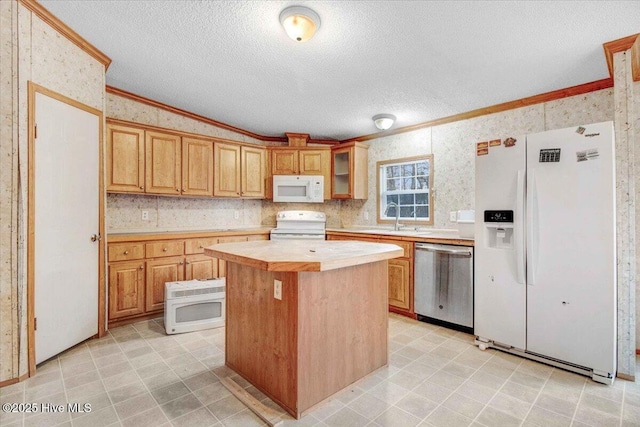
(236, 214)
(366, 215)
(453, 216)
(277, 289)
(145, 215)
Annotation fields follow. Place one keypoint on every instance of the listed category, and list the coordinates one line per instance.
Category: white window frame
(381, 173)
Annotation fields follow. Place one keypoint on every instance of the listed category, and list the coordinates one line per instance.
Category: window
(406, 184)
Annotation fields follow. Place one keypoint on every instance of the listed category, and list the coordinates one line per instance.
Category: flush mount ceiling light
(384, 121)
(300, 23)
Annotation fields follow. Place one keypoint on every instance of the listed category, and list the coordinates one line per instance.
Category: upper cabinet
(163, 163)
(303, 161)
(349, 171)
(125, 159)
(197, 167)
(240, 171)
(145, 159)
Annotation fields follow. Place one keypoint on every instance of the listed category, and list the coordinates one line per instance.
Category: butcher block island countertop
(322, 330)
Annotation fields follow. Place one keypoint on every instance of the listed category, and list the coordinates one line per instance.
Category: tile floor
(138, 376)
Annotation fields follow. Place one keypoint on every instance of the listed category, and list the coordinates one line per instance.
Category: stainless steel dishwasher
(444, 285)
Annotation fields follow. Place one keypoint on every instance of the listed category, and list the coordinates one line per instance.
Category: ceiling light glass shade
(384, 121)
(300, 23)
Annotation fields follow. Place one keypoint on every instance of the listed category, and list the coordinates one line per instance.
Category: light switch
(145, 215)
(236, 214)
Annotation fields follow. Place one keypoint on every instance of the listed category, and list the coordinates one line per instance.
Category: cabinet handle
(126, 252)
(164, 249)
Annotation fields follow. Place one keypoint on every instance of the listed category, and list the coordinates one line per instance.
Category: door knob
(96, 237)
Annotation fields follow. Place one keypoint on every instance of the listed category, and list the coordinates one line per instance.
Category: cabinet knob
(142, 187)
(201, 247)
(126, 252)
(141, 267)
(181, 262)
(165, 249)
(238, 194)
(178, 190)
(188, 262)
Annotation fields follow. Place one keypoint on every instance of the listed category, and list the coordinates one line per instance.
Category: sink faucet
(392, 204)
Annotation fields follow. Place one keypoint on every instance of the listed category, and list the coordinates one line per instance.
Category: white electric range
(299, 225)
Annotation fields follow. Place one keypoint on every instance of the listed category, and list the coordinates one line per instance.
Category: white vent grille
(201, 291)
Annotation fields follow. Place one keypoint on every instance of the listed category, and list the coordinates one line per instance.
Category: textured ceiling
(419, 60)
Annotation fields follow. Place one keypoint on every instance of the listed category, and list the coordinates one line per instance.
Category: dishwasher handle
(442, 249)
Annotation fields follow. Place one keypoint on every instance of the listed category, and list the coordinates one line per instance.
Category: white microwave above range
(298, 188)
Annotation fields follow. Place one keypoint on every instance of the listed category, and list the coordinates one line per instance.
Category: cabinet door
(342, 167)
(222, 265)
(125, 159)
(317, 162)
(126, 289)
(399, 283)
(254, 172)
(200, 267)
(226, 158)
(197, 167)
(163, 165)
(284, 162)
(159, 272)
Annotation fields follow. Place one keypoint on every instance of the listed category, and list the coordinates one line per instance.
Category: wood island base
(328, 330)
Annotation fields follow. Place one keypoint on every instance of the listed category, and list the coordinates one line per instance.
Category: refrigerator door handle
(519, 228)
(532, 230)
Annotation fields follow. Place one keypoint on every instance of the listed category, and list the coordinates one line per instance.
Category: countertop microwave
(298, 188)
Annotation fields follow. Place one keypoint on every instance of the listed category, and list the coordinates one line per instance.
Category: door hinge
(35, 323)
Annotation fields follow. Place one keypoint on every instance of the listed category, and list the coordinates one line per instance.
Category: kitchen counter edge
(459, 241)
(186, 234)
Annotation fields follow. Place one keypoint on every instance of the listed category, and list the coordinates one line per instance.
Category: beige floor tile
(145, 360)
(127, 392)
(37, 394)
(106, 350)
(561, 391)
(226, 407)
(519, 391)
(40, 380)
(463, 405)
(497, 369)
(180, 406)
(119, 380)
(459, 370)
(396, 417)
(406, 379)
(346, 417)
(345, 396)
(150, 418)
(135, 406)
(541, 417)
(510, 405)
(397, 361)
(368, 406)
(487, 380)
(97, 401)
(476, 392)
(152, 369)
(632, 398)
(200, 380)
(493, 417)
(388, 392)
(99, 418)
(594, 417)
(416, 405)
(161, 380)
(631, 414)
(211, 393)
(446, 380)
(114, 369)
(559, 406)
(170, 392)
(443, 417)
(86, 390)
(601, 390)
(433, 360)
(329, 408)
(109, 359)
(245, 418)
(199, 418)
(536, 369)
(207, 352)
(433, 391)
(601, 404)
(528, 380)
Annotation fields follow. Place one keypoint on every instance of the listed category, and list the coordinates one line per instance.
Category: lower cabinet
(139, 270)
(400, 272)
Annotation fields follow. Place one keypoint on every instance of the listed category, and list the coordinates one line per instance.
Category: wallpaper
(35, 52)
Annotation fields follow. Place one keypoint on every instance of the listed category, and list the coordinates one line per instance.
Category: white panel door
(500, 290)
(66, 216)
(571, 246)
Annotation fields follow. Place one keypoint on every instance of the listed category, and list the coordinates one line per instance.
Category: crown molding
(66, 31)
(181, 112)
(524, 102)
(622, 45)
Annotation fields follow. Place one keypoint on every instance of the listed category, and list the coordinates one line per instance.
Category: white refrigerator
(545, 250)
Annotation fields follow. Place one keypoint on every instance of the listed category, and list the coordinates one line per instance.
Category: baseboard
(12, 381)
(631, 378)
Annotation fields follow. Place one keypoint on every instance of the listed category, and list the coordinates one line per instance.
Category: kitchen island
(305, 319)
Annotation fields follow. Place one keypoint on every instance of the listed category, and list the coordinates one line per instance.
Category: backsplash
(331, 208)
(124, 213)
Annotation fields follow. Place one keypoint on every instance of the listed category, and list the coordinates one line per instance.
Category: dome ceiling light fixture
(384, 121)
(300, 22)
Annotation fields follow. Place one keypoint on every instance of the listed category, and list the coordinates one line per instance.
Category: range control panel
(498, 216)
